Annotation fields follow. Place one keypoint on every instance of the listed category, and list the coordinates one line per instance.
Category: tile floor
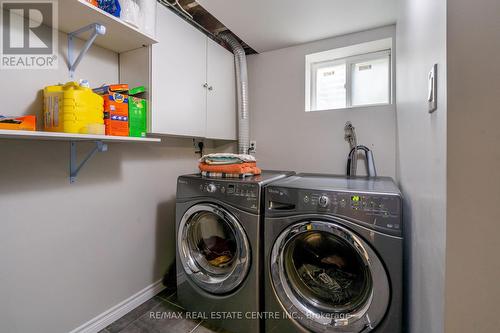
(141, 320)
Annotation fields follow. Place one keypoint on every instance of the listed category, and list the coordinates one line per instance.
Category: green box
(138, 112)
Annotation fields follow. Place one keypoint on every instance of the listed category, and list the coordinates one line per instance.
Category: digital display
(356, 198)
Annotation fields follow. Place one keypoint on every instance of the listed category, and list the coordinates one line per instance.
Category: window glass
(370, 81)
(331, 87)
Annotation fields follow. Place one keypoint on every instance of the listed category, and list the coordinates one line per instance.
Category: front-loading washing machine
(219, 249)
(334, 255)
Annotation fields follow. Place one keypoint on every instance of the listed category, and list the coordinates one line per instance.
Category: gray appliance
(219, 248)
(334, 255)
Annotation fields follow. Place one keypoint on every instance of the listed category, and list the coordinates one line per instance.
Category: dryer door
(213, 248)
(328, 279)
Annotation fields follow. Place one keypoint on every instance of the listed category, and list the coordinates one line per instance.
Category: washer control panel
(378, 211)
(333, 202)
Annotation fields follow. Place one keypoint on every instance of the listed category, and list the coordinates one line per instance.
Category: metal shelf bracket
(74, 167)
(95, 30)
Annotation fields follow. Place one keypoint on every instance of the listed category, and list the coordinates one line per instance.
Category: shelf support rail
(96, 30)
(74, 167)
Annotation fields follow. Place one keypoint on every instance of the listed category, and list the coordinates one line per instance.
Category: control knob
(323, 201)
(211, 188)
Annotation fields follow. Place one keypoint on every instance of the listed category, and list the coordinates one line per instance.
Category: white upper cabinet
(191, 80)
(178, 75)
(221, 98)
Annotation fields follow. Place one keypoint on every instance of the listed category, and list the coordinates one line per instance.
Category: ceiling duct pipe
(242, 89)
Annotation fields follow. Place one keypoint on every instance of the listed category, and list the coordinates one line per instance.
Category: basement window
(356, 80)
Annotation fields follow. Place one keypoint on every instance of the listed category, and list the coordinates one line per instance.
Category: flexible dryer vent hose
(242, 89)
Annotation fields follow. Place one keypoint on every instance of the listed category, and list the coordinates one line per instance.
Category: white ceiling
(273, 24)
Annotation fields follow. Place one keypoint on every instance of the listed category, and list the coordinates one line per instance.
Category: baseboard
(110, 316)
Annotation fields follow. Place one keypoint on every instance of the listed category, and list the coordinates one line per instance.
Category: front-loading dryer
(219, 249)
(334, 255)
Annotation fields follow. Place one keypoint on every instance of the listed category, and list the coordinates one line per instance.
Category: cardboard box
(116, 112)
(138, 111)
(26, 123)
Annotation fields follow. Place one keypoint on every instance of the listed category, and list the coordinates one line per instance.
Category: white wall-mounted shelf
(120, 36)
(100, 141)
(54, 136)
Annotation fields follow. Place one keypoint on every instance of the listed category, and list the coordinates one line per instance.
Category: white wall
(292, 139)
(70, 252)
(421, 42)
(472, 260)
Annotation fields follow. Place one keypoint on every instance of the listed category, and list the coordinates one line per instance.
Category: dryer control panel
(242, 195)
(381, 212)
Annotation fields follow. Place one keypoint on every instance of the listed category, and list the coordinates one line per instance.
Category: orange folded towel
(242, 168)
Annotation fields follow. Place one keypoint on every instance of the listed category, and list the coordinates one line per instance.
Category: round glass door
(325, 270)
(328, 278)
(213, 248)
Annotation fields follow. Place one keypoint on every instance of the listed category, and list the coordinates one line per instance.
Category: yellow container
(71, 108)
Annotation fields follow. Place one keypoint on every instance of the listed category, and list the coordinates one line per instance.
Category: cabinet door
(221, 99)
(178, 76)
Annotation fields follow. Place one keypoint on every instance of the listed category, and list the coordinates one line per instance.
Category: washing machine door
(328, 279)
(213, 248)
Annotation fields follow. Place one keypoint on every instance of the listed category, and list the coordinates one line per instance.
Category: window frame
(349, 62)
